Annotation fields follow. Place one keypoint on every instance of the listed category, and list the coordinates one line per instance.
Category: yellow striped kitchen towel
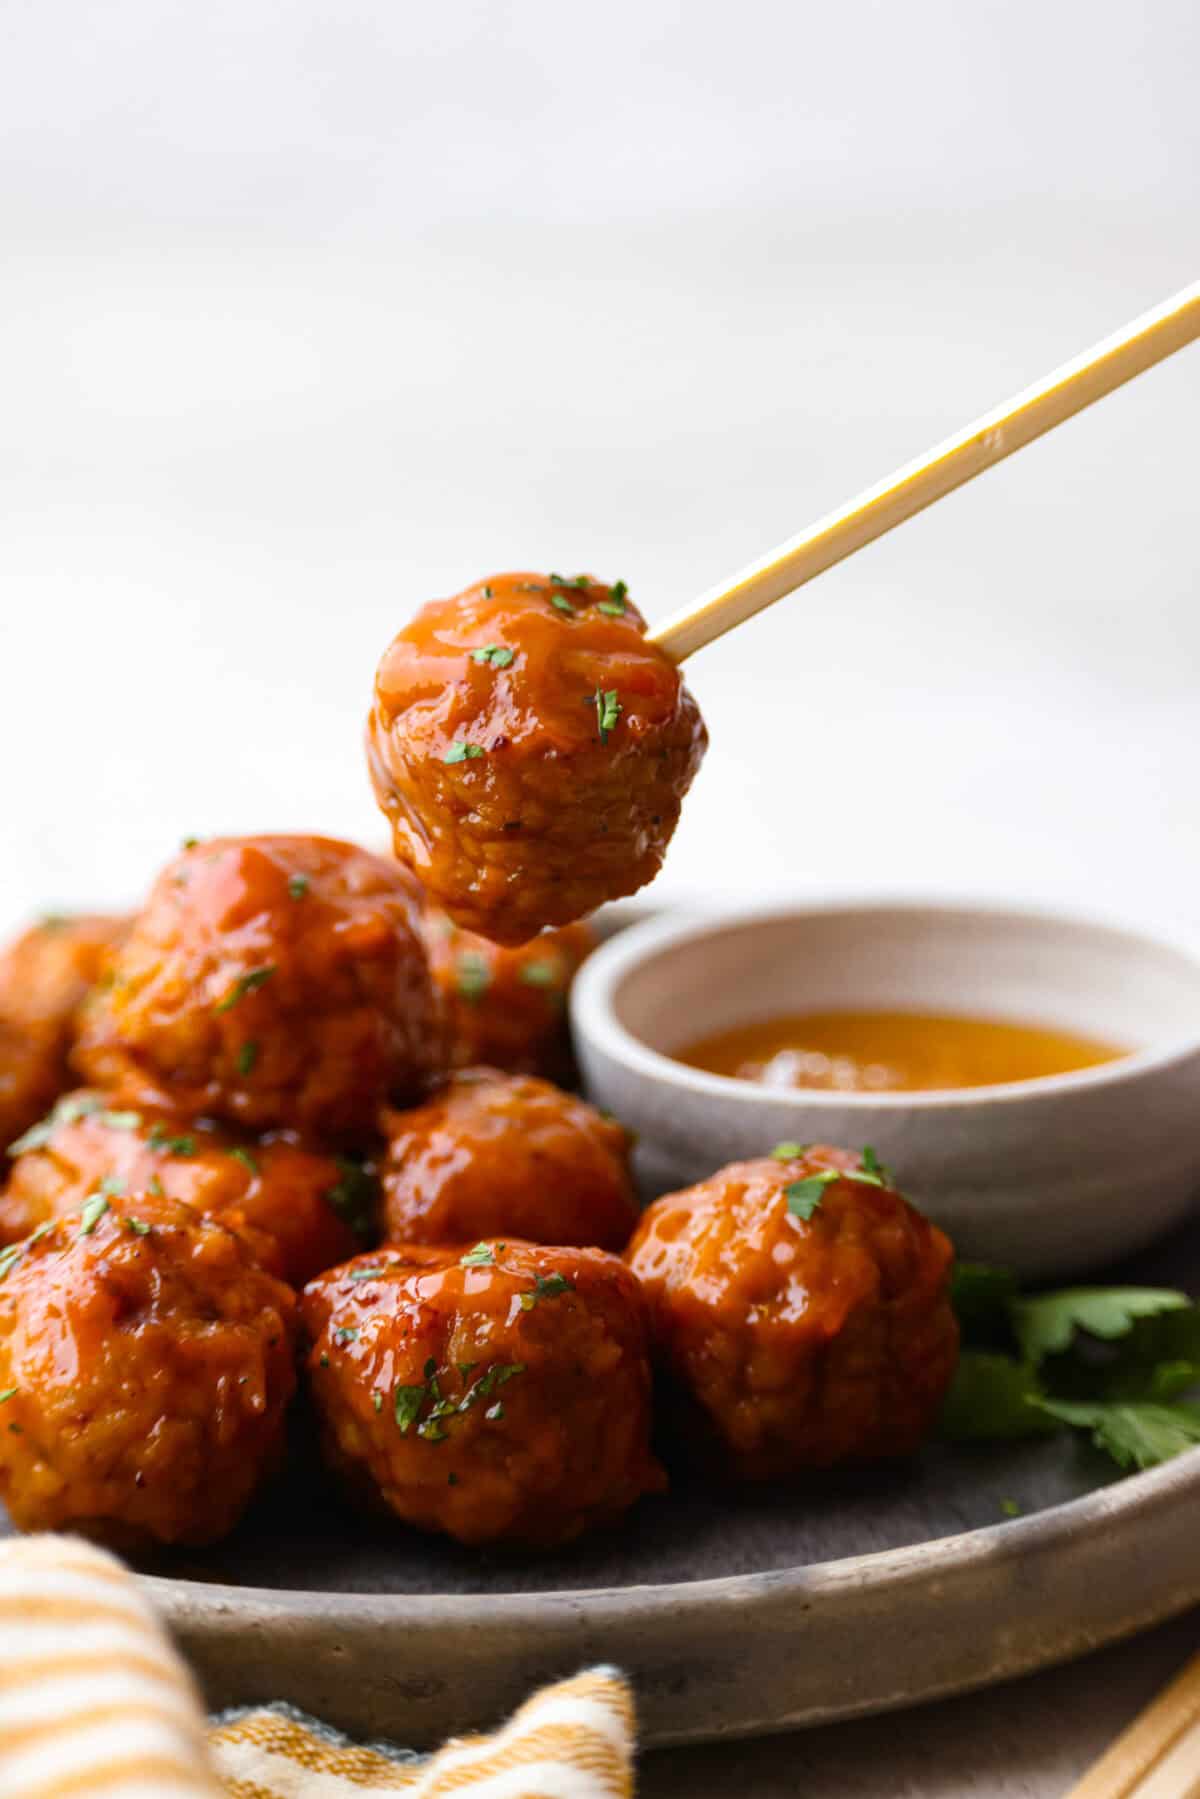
(95, 1704)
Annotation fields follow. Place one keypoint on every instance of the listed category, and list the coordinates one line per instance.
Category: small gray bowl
(1051, 1176)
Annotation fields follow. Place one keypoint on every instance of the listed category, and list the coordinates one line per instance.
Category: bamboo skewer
(1158, 1755)
(1079, 383)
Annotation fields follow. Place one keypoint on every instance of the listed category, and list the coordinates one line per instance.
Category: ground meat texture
(146, 1364)
(499, 1394)
(271, 981)
(44, 976)
(500, 1153)
(506, 1008)
(531, 750)
(800, 1340)
(304, 1209)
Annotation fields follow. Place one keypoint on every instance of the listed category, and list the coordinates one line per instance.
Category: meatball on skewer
(531, 750)
(146, 1364)
(277, 982)
(506, 1008)
(500, 1394)
(801, 1306)
(495, 1154)
(303, 1209)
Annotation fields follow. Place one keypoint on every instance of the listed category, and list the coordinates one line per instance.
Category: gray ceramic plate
(734, 1615)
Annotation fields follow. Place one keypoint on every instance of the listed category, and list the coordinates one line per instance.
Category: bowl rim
(594, 1017)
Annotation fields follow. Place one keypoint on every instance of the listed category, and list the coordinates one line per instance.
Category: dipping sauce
(892, 1052)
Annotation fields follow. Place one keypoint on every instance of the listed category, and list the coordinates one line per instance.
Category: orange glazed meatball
(274, 981)
(802, 1305)
(530, 750)
(500, 1394)
(506, 1007)
(500, 1153)
(311, 1209)
(146, 1363)
(44, 976)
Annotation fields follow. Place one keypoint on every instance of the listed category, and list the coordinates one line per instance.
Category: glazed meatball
(495, 1154)
(44, 977)
(304, 1210)
(531, 750)
(801, 1305)
(500, 1394)
(506, 1008)
(146, 1364)
(272, 981)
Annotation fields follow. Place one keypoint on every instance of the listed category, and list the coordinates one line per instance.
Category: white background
(309, 312)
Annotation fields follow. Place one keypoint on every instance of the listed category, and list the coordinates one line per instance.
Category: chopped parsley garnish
(298, 886)
(365, 1274)
(155, 1186)
(545, 1286)
(93, 1211)
(407, 1402)
(462, 752)
(354, 1196)
(120, 1121)
(614, 608)
(345, 1333)
(539, 974)
(608, 711)
(112, 1186)
(872, 1165)
(493, 655)
(377, 1401)
(1011, 1508)
(487, 592)
(189, 843)
(561, 605)
(138, 1226)
(472, 977)
(8, 1393)
(245, 1158)
(247, 1056)
(8, 1257)
(245, 983)
(161, 1138)
(67, 1111)
(788, 1152)
(479, 1257)
(803, 1197)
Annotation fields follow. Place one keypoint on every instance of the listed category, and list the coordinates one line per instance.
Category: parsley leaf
(993, 1396)
(545, 1286)
(298, 886)
(608, 711)
(354, 1196)
(494, 655)
(245, 983)
(462, 752)
(981, 1296)
(407, 1402)
(138, 1226)
(160, 1138)
(1046, 1324)
(247, 1056)
(479, 1257)
(614, 608)
(365, 1274)
(561, 605)
(8, 1393)
(91, 1214)
(788, 1152)
(803, 1197)
(245, 1158)
(539, 974)
(1135, 1435)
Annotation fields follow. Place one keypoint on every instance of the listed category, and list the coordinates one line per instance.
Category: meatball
(495, 1154)
(506, 1007)
(304, 1210)
(146, 1364)
(500, 1394)
(801, 1305)
(46, 972)
(44, 976)
(531, 750)
(272, 981)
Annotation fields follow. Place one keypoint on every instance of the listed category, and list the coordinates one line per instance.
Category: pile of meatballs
(307, 1117)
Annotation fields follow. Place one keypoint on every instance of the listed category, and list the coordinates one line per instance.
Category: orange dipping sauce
(892, 1052)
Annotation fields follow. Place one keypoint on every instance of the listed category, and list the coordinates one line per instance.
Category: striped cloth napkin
(95, 1704)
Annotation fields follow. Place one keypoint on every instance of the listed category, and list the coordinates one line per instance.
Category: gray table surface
(1027, 1739)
